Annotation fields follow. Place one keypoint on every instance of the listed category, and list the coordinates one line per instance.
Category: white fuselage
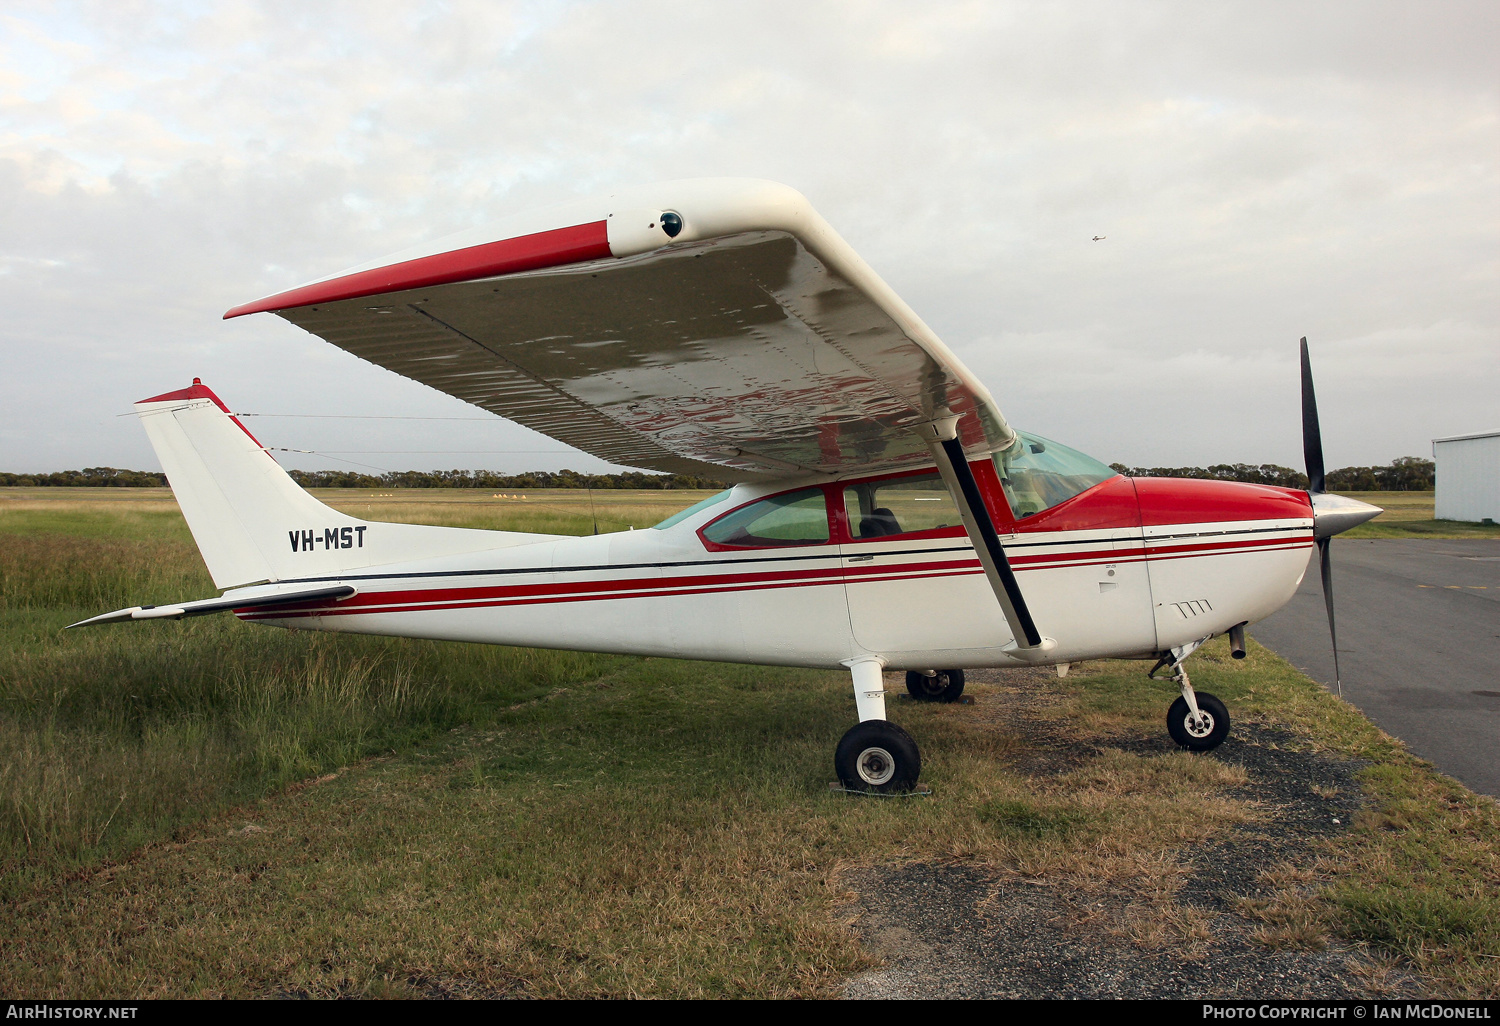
(913, 603)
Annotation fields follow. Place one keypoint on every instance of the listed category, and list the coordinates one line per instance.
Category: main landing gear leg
(935, 685)
(876, 755)
(1197, 721)
(869, 688)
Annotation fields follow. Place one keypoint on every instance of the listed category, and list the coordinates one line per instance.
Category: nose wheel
(1201, 731)
(1197, 721)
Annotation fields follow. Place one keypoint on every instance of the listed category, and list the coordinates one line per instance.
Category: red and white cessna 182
(883, 513)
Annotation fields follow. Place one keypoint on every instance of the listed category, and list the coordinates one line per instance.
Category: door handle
(859, 559)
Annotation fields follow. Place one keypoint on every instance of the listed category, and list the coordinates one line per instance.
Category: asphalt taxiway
(1419, 645)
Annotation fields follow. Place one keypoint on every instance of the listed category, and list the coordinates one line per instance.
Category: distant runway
(1419, 645)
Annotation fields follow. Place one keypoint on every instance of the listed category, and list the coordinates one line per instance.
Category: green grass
(1436, 529)
(110, 741)
(110, 738)
(1410, 515)
(215, 808)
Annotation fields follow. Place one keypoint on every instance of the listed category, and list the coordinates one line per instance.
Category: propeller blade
(1312, 437)
(1325, 561)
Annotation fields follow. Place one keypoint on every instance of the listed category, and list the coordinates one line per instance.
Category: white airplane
(883, 515)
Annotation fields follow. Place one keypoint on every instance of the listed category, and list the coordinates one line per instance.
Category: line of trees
(1404, 474)
(110, 477)
(490, 479)
(90, 477)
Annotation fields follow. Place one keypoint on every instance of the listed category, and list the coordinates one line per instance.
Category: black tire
(945, 687)
(1197, 739)
(877, 756)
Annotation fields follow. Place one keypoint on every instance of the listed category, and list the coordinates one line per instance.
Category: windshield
(1038, 474)
(697, 507)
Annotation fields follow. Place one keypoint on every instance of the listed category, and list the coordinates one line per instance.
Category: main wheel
(1208, 732)
(943, 686)
(877, 756)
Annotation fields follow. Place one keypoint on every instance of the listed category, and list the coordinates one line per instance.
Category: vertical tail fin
(253, 523)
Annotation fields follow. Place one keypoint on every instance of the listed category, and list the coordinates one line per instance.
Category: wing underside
(743, 354)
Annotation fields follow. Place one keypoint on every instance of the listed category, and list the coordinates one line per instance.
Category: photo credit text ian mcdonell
(1294, 1011)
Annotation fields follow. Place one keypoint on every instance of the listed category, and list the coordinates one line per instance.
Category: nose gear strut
(1196, 721)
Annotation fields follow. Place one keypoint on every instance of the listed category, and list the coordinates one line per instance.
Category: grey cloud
(1261, 172)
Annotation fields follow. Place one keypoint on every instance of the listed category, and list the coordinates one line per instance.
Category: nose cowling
(1335, 514)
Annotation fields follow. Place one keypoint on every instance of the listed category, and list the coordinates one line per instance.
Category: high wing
(717, 327)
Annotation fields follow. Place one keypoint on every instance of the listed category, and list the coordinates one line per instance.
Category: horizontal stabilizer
(202, 607)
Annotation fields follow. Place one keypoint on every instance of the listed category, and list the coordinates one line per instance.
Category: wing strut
(942, 438)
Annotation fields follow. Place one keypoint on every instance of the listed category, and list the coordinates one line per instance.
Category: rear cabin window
(693, 510)
(796, 518)
(878, 509)
(1037, 474)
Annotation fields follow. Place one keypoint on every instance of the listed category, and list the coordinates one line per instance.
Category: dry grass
(1420, 877)
(574, 511)
(1412, 515)
(564, 850)
(96, 573)
(542, 510)
(1416, 882)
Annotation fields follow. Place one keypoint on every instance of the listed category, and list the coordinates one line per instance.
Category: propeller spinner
(1332, 514)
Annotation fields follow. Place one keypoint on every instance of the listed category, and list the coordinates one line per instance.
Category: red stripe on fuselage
(532, 600)
(585, 590)
(418, 599)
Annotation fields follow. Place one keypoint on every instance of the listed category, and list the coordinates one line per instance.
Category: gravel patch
(956, 932)
(962, 931)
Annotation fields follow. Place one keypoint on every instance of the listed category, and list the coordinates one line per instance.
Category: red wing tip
(197, 390)
(247, 308)
(551, 248)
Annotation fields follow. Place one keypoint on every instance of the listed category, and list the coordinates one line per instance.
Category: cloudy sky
(1261, 171)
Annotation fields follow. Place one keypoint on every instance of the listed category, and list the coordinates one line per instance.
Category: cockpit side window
(1038, 474)
(793, 518)
(903, 505)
